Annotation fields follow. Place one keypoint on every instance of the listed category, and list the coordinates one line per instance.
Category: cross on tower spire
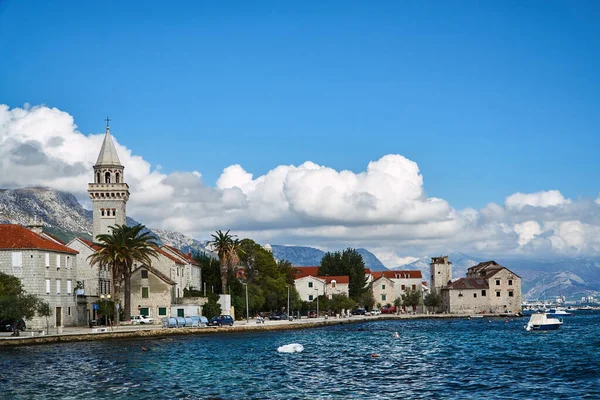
(107, 122)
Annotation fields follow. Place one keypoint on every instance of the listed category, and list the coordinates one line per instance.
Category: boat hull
(546, 327)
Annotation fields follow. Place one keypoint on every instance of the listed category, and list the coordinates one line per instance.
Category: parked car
(141, 319)
(7, 326)
(375, 311)
(358, 311)
(221, 320)
(278, 317)
(312, 314)
(97, 322)
(388, 310)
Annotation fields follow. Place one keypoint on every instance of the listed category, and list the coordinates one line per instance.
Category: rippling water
(432, 359)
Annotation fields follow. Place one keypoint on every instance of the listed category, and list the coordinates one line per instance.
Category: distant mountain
(65, 218)
(309, 256)
(541, 279)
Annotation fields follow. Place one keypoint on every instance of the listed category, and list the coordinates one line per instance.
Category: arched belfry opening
(98, 177)
(107, 177)
(117, 178)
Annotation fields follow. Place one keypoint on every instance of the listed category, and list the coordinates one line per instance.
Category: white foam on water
(291, 348)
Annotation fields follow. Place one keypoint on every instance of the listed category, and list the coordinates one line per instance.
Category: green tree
(44, 310)
(211, 308)
(119, 251)
(339, 302)
(350, 263)
(366, 299)
(226, 247)
(432, 300)
(211, 275)
(398, 304)
(15, 303)
(412, 298)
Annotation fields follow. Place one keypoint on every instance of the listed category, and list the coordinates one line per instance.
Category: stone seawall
(125, 333)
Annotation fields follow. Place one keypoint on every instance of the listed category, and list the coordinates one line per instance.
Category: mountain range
(65, 218)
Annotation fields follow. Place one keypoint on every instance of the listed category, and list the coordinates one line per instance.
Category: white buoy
(396, 336)
(291, 348)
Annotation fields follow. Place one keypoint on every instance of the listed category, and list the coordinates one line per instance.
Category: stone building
(488, 288)
(109, 192)
(46, 268)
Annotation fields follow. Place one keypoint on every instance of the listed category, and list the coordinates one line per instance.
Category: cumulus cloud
(383, 208)
(544, 199)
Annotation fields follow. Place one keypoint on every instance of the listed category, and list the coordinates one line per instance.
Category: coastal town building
(487, 288)
(391, 285)
(46, 268)
(309, 285)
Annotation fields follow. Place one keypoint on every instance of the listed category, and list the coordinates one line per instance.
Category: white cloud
(383, 208)
(544, 199)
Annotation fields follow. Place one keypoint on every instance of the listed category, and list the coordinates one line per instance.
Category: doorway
(59, 319)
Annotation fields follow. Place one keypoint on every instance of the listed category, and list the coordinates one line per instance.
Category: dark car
(278, 317)
(98, 322)
(312, 314)
(221, 320)
(7, 326)
(358, 311)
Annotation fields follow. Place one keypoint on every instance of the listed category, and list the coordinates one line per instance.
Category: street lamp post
(247, 311)
(288, 306)
(317, 303)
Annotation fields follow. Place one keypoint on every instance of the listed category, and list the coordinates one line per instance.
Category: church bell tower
(109, 192)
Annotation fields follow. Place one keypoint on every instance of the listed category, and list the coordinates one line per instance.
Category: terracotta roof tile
(397, 274)
(14, 236)
(301, 272)
(90, 244)
(186, 257)
(169, 256)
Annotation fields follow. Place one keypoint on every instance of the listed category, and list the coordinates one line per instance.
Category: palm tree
(119, 251)
(226, 247)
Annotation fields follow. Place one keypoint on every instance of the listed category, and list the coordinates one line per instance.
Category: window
(483, 294)
(144, 311)
(58, 286)
(69, 311)
(460, 294)
(69, 287)
(510, 282)
(414, 287)
(333, 284)
(162, 310)
(383, 297)
(310, 297)
(58, 261)
(47, 260)
(107, 177)
(17, 259)
(497, 293)
(47, 286)
(475, 295)
(403, 287)
(382, 287)
(145, 293)
(310, 284)
(178, 292)
(68, 262)
(497, 282)
(177, 271)
(511, 293)
(144, 274)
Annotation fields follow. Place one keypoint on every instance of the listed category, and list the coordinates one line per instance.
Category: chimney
(35, 226)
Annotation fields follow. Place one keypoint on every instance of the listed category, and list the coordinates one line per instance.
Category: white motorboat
(543, 322)
(558, 312)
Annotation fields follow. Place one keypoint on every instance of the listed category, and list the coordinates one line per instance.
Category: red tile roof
(301, 272)
(54, 238)
(487, 269)
(396, 274)
(337, 279)
(186, 257)
(90, 244)
(14, 236)
(169, 256)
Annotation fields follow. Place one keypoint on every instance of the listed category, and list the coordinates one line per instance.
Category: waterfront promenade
(80, 333)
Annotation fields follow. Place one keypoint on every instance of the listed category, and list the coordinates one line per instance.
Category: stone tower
(441, 273)
(109, 192)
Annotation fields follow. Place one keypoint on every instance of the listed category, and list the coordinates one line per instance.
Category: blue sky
(489, 98)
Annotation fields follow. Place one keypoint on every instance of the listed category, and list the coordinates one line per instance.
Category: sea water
(449, 358)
